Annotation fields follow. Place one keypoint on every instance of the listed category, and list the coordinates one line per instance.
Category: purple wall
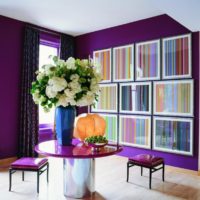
(148, 29)
(11, 42)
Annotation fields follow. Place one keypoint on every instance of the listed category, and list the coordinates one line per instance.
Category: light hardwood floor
(110, 183)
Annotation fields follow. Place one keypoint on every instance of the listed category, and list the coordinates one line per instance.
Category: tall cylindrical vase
(64, 118)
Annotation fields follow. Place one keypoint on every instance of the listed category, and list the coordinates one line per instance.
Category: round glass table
(78, 164)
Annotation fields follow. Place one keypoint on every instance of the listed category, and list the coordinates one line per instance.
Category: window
(49, 45)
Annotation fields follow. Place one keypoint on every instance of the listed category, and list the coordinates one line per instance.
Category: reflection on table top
(76, 150)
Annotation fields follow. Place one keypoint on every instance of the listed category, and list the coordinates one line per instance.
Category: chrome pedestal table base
(79, 177)
(79, 164)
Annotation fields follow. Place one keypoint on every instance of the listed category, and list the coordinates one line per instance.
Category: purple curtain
(28, 137)
(67, 46)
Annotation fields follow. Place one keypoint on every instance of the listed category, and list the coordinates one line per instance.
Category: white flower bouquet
(73, 82)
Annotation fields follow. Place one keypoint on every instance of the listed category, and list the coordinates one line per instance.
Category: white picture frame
(147, 59)
(122, 58)
(135, 102)
(171, 98)
(176, 60)
(172, 138)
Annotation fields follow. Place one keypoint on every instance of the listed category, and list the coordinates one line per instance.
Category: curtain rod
(44, 30)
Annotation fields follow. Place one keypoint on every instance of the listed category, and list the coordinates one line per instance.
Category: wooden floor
(110, 183)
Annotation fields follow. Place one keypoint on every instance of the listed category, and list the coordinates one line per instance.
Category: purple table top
(77, 150)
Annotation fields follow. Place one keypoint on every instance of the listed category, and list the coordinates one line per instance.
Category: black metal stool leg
(163, 172)
(22, 175)
(38, 181)
(10, 179)
(150, 176)
(127, 172)
(141, 170)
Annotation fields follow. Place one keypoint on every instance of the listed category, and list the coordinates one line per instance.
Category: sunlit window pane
(45, 52)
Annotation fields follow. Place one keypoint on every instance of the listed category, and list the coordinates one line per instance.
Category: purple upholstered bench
(148, 161)
(29, 164)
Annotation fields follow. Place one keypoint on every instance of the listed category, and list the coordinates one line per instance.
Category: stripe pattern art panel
(173, 135)
(107, 101)
(102, 58)
(135, 98)
(176, 57)
(111, 127)
(173, 98)
(123, 63)
(135, 131)
(148, 60)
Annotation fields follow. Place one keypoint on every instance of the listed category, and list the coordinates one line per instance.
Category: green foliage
(96, 139)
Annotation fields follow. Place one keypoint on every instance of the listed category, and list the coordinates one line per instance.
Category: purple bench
(38, 165)
(148, 161)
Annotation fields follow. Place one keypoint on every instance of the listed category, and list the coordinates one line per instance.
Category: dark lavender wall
(148, 29)
(11, 41)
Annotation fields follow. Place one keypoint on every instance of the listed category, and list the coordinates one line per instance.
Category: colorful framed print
(176, 57)
(123, 63)
(135, 131)
(147, 60)
(173, 135)
(108, 98)
(135, 98)
(173, 97)
(103, 60)
(111, 127)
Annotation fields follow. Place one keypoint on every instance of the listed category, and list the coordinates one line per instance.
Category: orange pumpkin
(90, 125)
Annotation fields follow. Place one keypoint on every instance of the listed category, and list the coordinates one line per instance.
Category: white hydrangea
(90, 97)
(86, 100)
(71, 101)
(61, 63)
(94, 87)
(48, 69)
(62, 101)
(50, 92)
(40, 76)
(75, 86)
(69, 93)
(36, 98)
(85, 62)
(71, 63)
(58, 84)
(74, 77)
(82, 101)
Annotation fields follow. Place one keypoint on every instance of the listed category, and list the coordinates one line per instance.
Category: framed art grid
(111, 132)
(135, 97)
(174, 135)
(176, 54)
(102, 58)
(147, 58)
(123, 63)
(135, 131)
(173, 98)
(108, 99)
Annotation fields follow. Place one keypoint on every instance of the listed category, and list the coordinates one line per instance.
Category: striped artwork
(173, 98)
(111, 127)
(135, 98)
(135, 131)
(173, 135)
(123, 63)
(177, 57)
(102, 59)
(107, 101)
(148, 60)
